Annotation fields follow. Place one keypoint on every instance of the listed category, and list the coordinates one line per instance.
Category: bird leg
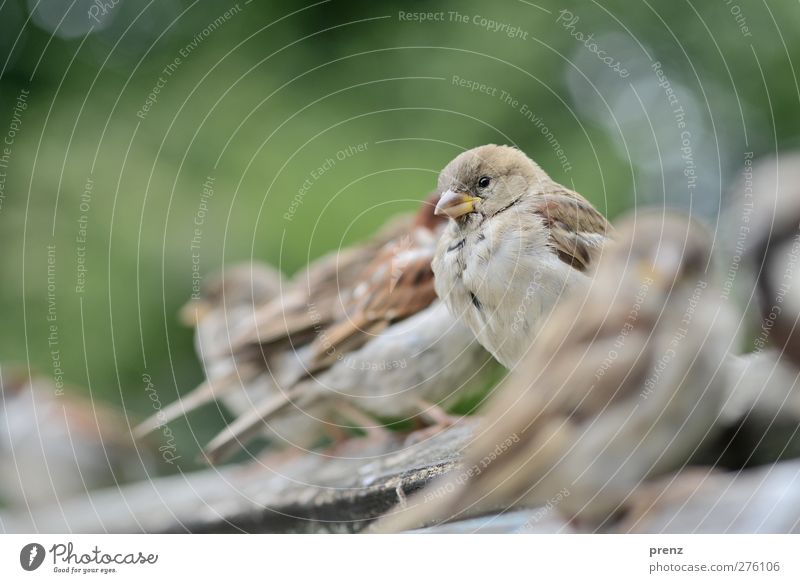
(437, 414)
(374, 431)
(277, 458)
(439, 418)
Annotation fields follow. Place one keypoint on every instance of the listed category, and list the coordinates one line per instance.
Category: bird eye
(484, 181)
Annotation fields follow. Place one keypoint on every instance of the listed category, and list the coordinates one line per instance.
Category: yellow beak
(193, 312)
(455, 204)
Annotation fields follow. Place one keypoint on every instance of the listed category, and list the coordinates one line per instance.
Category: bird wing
(314, 299)
(393, 287)
(577, 229)
(396, 285)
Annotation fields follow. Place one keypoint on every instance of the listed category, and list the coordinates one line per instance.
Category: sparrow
(225, 302)
(773, 251)
(762, 384)
(516, 241)
(765, 383)
(621, 384)
(251, 324)
(55, 444)
(389, 350)
(228, 305)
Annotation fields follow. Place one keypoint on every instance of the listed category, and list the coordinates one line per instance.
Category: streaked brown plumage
(359, 330)
(390, 350)
(517, 240)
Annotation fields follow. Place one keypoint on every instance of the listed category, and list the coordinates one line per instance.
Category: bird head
(662, 249)
(487, 180)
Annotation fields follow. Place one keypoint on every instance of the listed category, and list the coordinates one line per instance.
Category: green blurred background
(265, 92)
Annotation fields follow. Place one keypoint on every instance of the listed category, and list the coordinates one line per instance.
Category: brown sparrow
(226, 302)
(763, 384)
(229, 306)
(55, 444)
(766, 383)
(392, 351)
(517, 240)
(621, 384)
(774, 253)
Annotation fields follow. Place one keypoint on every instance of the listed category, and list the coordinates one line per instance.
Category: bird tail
(207, 391)
(247, 426)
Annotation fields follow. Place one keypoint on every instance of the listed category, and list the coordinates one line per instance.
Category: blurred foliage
(277, 89)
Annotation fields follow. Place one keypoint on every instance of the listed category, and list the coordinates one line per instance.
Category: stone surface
(316, 493)
(310, 493)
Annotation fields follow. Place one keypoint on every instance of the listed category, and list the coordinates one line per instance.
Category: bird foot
(426, 433)
(277, 458)
(440, 418)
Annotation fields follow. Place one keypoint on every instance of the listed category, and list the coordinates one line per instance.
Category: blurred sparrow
(392, 350)
(55, 444)
(775, 253)
(247, 317)
(621, 384)
(226, 301)
(766, 383)
(313, 298)
(762, 384)
(516, 242)
(228, 305)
